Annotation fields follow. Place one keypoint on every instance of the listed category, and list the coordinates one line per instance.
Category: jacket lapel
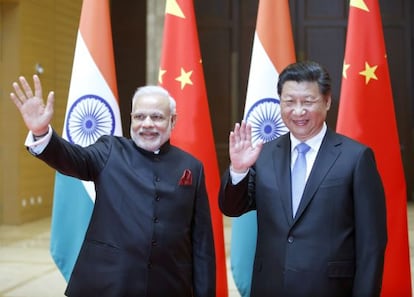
(281, 160)
(326, 157)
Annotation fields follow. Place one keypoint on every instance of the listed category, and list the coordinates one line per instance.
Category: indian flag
(92, 110)
(273, 50)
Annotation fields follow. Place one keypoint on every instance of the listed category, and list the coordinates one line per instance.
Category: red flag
(181, 73)
(366, 113)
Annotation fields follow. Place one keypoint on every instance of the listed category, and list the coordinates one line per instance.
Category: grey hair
(157, 91)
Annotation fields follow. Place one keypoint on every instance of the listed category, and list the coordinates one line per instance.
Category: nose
(299, 109)
(147, 121)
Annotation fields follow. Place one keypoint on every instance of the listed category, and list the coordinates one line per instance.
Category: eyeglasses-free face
(303, 108)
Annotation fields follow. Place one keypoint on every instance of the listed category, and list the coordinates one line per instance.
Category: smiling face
(151, 121)
(303, 108)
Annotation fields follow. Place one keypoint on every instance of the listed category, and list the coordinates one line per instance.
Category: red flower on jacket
(186, 179)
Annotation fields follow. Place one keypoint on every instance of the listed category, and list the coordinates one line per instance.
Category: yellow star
(359, 4)
(161, 72)
(345, 69)
(369, 73)
(184, 78)
(173, 8)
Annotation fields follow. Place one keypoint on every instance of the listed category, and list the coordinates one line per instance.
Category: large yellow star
(369, 72)
(161, 72)
(345, 69)
(173, 8)
(184, 78)
(359, 4)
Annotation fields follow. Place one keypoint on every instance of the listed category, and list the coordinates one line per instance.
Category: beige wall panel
(10, 125)
(44, 33)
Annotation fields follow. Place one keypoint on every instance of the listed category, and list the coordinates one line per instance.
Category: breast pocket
(333, 182)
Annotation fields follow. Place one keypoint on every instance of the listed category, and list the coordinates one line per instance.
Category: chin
(148, 146)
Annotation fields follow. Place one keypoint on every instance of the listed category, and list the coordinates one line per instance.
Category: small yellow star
(359, 4)
(345, 69)
(161, 72)
(369, 72)
(184, 78)
(173, 8)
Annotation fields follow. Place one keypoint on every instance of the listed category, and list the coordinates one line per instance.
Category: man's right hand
(243, 154)
(36, 115)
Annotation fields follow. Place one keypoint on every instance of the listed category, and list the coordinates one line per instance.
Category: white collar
(314, 142)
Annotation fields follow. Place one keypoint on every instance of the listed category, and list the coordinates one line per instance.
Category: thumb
(50, 102)
(258, 146)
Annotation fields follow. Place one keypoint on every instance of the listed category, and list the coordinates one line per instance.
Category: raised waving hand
(243, 153)
(36, 115)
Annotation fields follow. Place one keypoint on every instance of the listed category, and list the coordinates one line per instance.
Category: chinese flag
(366, 113)
(181, 73)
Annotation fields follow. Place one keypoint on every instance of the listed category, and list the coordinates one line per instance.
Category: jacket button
(154, 243)
(155, 220)
(157, 198)
(290, 239)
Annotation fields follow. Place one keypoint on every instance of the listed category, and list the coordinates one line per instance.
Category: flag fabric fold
(273, 49)
(92, 110)
(366, 113)
(181, 73)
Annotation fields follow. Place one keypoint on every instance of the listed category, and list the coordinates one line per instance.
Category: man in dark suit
(150, 232)
(330, 240)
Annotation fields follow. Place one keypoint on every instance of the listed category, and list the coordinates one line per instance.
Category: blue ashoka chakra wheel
(89, 118)
(266, 121)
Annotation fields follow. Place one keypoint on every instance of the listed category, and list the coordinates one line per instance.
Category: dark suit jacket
(335, 244)
(148, 235)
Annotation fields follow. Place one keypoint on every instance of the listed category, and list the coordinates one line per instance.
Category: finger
(15, 100)
(243, 131)
(236, 127)
(236, 132)
(37, 86)
(248, 134)
(18, 92)
(50, 102)
(232, 139)
(258, 147)
(26, 87)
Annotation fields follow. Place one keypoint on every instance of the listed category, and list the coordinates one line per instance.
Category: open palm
(243, 154)
(36, 115)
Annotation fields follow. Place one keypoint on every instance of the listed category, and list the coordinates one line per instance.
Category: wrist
(238, 170)
(37, 136)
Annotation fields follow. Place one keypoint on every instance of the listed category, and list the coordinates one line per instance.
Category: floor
(27, 270)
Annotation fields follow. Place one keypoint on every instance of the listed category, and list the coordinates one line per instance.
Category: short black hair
(306, 71)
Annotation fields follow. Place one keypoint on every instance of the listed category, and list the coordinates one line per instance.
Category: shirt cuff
(36, 147)
(237, 177)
